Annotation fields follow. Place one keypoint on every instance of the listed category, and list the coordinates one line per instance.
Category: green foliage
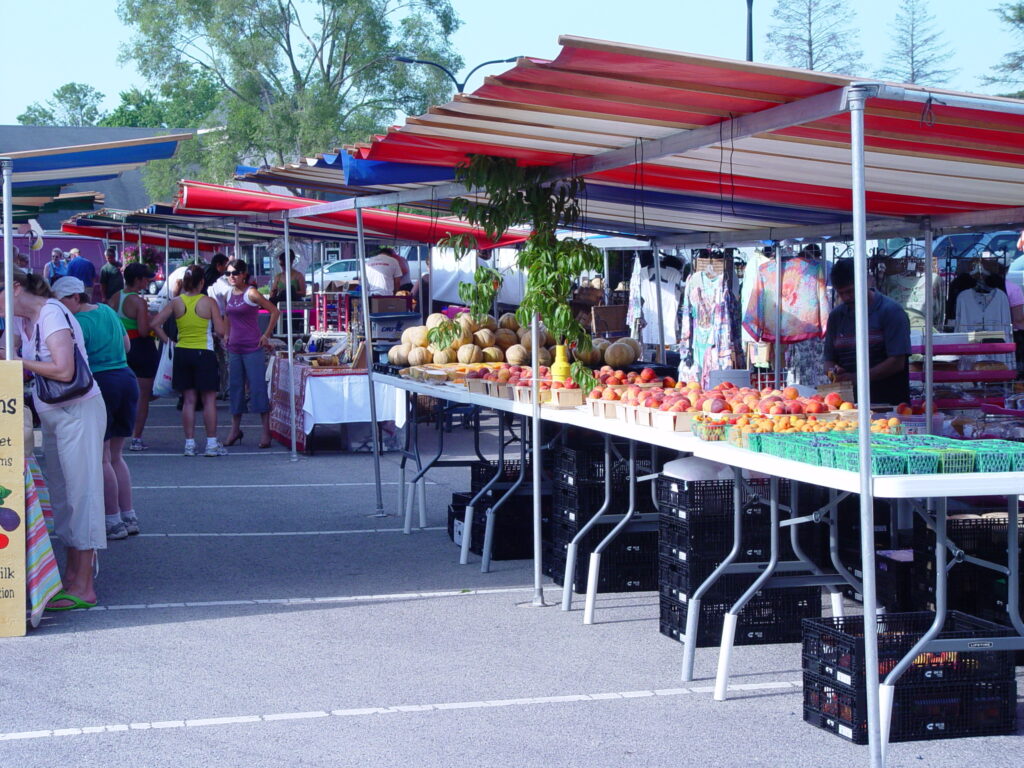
(1010, 71)
(73, 104)
(479, 294)
(444, 334)
(291, 77)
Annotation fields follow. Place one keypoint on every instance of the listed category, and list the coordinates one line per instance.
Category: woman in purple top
(245, 346)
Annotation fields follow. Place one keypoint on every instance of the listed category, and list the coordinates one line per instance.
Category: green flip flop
(75, 602)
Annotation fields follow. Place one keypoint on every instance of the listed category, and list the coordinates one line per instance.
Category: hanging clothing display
(635, 308)
(750, 278)
(709, 328)
(804, 363)
(804, 301)
(908, 290)
(984, 310)
(669, 290)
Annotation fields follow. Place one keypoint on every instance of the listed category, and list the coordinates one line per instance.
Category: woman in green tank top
(195, 372)
(143, 356)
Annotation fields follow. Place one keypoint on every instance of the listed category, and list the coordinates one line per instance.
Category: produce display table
(932, 490)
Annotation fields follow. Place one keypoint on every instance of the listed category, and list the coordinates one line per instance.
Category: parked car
(348, 269)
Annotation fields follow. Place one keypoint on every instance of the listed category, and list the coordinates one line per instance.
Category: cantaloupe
(420, 356)
(489, 323)
(465, 338)
(591, 357)
(505, 338)
(467, 322)
(493, 355)
(407, 335)
(435, 320)
(444, 357)
(517, 354)
(508, 321)
(418, 336)
(543, 356)
(484, 338)
(619, 355)
(637, 348)
(470, 353)
(399, 354)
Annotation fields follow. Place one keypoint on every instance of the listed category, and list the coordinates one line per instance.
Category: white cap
(67, 286)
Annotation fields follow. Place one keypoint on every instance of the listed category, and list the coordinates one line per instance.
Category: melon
(592, 357)
(543, 356)
(639, 350)
(470, 353)
(517, 354)
(600, 344)
(465, 338)
(493, 355)
(505, 338)
(467, 323)
(489, 323)
(508, 321)
(399, 354)
(418, 337)
(484, 338)
(435, 320)
(420, 356)
(407, 335)
(619, 355)
(444, 357)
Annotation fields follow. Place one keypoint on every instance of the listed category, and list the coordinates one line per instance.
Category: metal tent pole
(288, 333)
(929, 314)
(167, 253)
(364, 299)
(657, 296)
(857, 98)
(140, 244)
(195, 243)
(777, 351)
(607, 290)
(7, 169)
(538, 590)
(235, 247)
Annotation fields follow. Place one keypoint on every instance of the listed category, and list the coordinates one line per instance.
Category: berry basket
(710, 432)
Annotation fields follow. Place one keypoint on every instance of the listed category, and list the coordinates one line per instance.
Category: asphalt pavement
(266, 617)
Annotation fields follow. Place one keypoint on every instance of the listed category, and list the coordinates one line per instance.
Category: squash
(619, 355)
(484, 338)
(444, 357)
(637, 348)
(489, 323)
(465, 338)
(467, 323)
(418, 337)
(505, 338)
(592, 357)
(493, 355)
(517, 354)
(399, 354)
(435, 320)
(420, 356)
(470, 353)
(407, 335)
(508, 321)
(544, 356)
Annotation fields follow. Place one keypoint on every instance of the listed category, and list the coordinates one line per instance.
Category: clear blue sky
(50, 43)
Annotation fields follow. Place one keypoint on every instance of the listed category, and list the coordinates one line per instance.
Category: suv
(348, 269)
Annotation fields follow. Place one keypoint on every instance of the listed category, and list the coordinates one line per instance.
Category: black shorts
(143, 357)
(120, 392)
(195, 369)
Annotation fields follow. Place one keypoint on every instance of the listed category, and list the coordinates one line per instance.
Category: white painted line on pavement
(284, 533)
(311, 600)
(792, 685)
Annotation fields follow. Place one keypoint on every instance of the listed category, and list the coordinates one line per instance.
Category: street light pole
(750, 30)
(460, 87)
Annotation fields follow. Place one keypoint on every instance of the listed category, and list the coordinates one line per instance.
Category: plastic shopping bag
(162, 383)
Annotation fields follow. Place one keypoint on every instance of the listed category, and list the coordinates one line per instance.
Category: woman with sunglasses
(245, 343)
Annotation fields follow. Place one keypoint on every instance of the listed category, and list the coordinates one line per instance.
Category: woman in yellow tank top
(195, 372)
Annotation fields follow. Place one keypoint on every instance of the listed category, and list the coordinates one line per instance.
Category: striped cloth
(42, 491)
(43, 576)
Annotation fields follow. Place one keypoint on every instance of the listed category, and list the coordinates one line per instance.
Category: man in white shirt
(383, 275)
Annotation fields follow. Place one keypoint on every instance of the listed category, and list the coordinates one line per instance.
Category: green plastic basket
(921, 462)
(953, 460)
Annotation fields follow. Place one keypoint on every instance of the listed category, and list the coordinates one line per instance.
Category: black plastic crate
(761, 622)
(712, 539)
(920, 712)
(457, 511)
(611, 576)
(834, 648)
(581, 501)
(638, 543)
(481, 473)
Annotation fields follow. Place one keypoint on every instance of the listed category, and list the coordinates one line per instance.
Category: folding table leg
(467, 520)
(570, 554)
(485, 560)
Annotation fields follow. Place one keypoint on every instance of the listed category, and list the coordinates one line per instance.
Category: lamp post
(750, 30)
(460, 87)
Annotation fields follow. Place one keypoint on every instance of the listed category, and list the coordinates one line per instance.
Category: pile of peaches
(521, 376)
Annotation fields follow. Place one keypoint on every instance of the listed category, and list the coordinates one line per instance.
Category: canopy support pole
(288, 331)
(7, 169)
(195, 243)
(929, 315)
(538, 575)
(167, 252)
(364, 300)
(857, 99)
(234, 251)
(777, 346)
(140, 244)
(657, 296)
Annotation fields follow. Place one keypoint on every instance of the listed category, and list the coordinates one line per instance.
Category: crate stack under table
(941, 696)
(695, 533)
(630, 563)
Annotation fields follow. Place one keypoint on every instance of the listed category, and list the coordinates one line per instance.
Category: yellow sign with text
(12, 500)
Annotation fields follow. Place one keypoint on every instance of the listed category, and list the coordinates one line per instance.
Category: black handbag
(54, 392)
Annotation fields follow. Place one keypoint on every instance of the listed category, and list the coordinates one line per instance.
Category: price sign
(12, 501)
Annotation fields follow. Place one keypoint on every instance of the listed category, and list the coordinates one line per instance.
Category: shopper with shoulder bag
(73, 420)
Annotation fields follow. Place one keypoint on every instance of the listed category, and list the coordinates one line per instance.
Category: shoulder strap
(66, 319)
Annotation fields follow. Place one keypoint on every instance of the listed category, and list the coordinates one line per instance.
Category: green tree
(919, 50)
(815, 34)
(138, 109)
(1010, 71)
(294, 77)
(74, 104)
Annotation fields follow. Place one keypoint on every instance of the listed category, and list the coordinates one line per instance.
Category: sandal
(75, 602)
(265, 445)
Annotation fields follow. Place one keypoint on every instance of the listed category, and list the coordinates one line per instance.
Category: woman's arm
(141, 311)
(127, 343)
(220, 326)
(62, 350)
(301, 282)
(161, 318)
(260, 300)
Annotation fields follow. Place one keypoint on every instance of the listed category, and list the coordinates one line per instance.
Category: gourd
(508, 321)
(420, 356)
(465, 338)
(637, 348)
(489, 323)
(470, 353)
(484, 338)
(407, 335)
(619, 355)
(467, 323)
(493, 355)
(435, 320)
(399, 354)
(505, 338)
(444, 357)
(544, 356)
(591, 357)
(418, 337)
(517, 354)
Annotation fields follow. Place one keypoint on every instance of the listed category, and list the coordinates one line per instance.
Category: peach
(815, 406)
(833, 399)
(794, 406)
(790, 393)
(846, 406)
(610, 394)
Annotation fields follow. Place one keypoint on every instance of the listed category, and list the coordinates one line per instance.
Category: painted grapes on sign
(9, 519)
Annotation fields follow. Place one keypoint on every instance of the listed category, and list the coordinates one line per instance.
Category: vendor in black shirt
(888, 340)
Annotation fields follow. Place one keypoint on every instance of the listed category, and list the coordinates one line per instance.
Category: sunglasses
(231, 272)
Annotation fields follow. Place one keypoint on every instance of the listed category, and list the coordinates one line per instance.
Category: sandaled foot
(65, 601)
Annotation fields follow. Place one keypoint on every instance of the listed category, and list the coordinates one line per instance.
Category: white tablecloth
(345, 399)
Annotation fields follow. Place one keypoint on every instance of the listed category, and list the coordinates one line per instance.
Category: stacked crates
(941, 696)
(695, 531)
(629, 564)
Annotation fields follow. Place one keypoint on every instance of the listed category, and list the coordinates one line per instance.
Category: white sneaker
(137, 445)
(190, 448)
(216, 450)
